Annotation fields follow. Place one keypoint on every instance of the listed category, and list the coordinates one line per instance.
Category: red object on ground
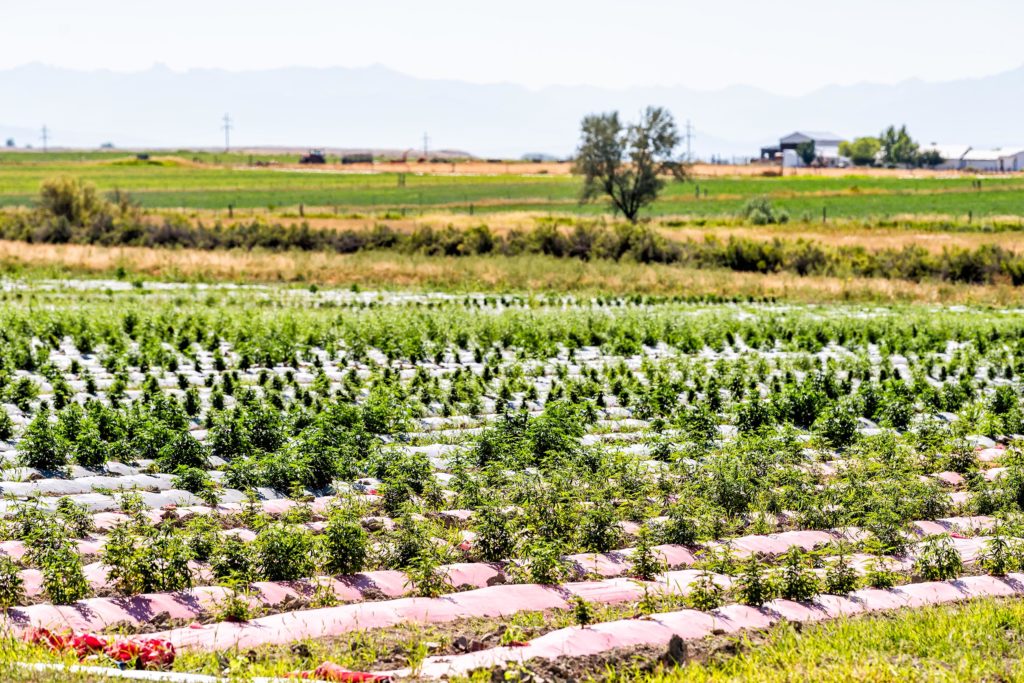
(329, 671)
(122, 650)
(156, 652)
(87, 643)
(150, 652)
(42, 636)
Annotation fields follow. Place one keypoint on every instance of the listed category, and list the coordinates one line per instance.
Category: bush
(6, 425)
(40, 447)
(343, 543)
(284, 553)
(143, 559)
(12, 587)
(705, 594)
(938, 559)
(838, 426)
(797, 581)
(753, 586)
(645, 563)
(233, 561)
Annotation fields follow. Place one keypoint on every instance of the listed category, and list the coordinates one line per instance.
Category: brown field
(380, 270)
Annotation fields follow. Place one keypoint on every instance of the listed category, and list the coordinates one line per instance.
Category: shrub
(12, 587)
(1000, 555)
(840, 577)
(284, 553)
(644, 561)
(753, 587)
(838, 425)
(544, 564)
(64, 580)
(938, 559)
(6, 425)
(582, 611)
(233, 560)
(343, 543)
(599, 528)
(425, 575)
(797, 581)
(40, 447)
(496, 536)
(144, 559)
(183, 450)
(705, 594)
(878, 575)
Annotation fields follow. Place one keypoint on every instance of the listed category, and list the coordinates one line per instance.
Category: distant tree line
(72, 212)
(893, 147)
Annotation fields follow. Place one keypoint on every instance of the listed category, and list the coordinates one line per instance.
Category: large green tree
(898, 148)
(807, 152)
(862, 151)
(628, 162)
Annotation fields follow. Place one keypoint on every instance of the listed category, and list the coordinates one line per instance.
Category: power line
(426, 145)
(227, 132)
(46, 137)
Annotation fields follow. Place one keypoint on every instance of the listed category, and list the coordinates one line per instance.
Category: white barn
(826, 146)
(952, 155)
(1001, 160)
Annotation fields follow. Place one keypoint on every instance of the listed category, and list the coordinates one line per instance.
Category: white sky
(786, 46)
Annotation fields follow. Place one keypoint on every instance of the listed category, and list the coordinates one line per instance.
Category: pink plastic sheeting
(97, 614)
(95, 574)
(777, 544)
(17, 549)
(970, 524)
(618, 562)
(994, 473)
(954, 479)
(495, 601)
(990, 454)
(689, 624)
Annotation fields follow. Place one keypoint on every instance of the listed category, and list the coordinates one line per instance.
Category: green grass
(212, 185)
(973, 642)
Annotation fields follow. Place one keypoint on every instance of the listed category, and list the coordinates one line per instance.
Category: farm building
(826, 146)
(952, 155)
(1001, 160)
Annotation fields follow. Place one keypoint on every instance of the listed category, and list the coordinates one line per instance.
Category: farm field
(179, 182)
(229, 481)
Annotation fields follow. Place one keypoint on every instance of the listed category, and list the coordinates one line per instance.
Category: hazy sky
(787, 46)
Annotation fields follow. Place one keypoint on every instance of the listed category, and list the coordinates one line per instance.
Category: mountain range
(376, 107)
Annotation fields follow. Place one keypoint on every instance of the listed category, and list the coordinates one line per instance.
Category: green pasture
(214, 184)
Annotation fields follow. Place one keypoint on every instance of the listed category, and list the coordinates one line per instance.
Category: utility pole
(46, 136)
(426, 146)
(689, 137)
(227, 132)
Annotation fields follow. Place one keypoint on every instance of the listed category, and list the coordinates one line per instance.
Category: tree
(627, 162)
(807, 152)
(862, 151)
(898, 147)
(931, 158)
(71, 199)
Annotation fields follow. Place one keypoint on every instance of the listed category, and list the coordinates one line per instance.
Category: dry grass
(852, 235)
(528, 273)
